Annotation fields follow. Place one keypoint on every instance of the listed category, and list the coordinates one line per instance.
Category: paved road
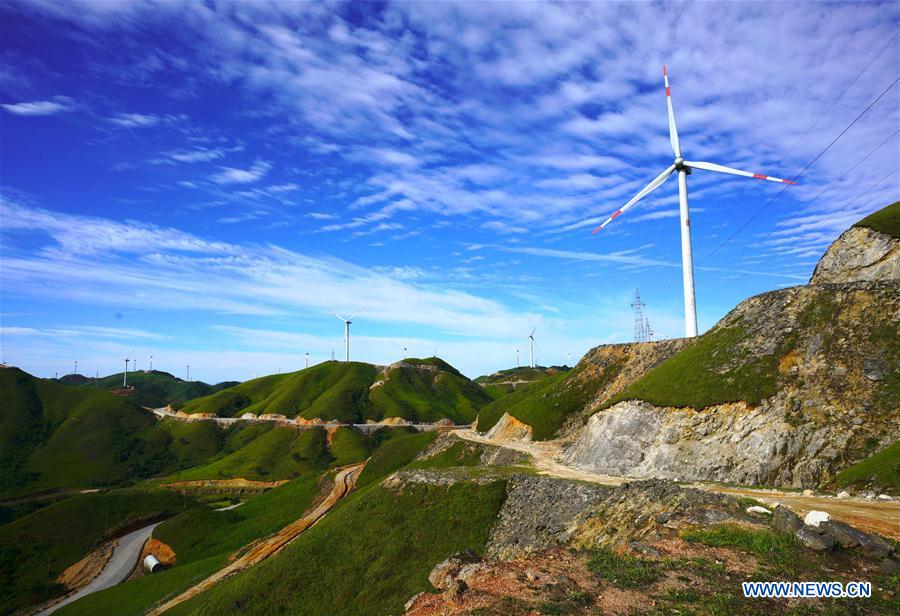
(881, 517)
(123, 560)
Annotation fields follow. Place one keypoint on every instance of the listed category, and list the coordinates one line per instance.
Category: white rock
(814, 518)
(884, 497)
(843, 494)
(757, 509)
(808, 492)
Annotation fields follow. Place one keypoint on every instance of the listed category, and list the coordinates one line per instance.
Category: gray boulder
(813, 540)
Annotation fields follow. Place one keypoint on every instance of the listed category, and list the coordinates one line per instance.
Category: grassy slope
(201, 533)
(368, 556)
(132, 598)
(35, 549)
(886, 220)
(263, 452)
(880, 471)
(423, 395)
(54, 436)
(341, 391)
(396, 453)
(694, 378)
(544, 405)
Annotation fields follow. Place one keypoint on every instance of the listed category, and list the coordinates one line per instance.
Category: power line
(839, 97)
(850, 170)
(796, 177)
(833, 214)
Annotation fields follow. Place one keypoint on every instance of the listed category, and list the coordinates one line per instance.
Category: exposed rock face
(835, 364)
(858, 254)
(539, 513)
(510, 428)
(617, 366)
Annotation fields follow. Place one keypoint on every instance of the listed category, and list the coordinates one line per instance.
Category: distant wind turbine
(125, 376)
(684, 169)
(347, 323)
(531, 344)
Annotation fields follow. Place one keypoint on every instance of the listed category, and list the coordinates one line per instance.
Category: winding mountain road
(874, 516)
(123, 560)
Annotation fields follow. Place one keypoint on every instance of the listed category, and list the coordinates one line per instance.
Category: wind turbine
(347, 323)
(531, 344)
(684, 169)
(125, 376)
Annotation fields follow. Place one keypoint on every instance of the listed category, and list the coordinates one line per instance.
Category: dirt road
(344, 482)
(881, 517)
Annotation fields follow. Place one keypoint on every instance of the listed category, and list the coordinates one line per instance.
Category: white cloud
(39, 108)
(135, 120)
(232, 175)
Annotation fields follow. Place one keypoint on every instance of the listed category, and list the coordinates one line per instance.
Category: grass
(394, 454)
(881, 471)
(36, 548)
(696, 377)
(368, 556)
(348, 446)
(201, 533)
(780, 550)
(460, 453)
(264, 452)
(55, 436)
(623, 570)
(886, 220)
(133, 597)
(545, 404)
(344, 392)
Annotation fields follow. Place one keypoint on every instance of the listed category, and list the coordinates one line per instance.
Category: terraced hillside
(152, 389)
(423, 390)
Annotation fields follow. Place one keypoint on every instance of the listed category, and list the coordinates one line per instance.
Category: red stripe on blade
(760, 176)
(668, 91)
(788, 182)
(664, 70)
(616, 214)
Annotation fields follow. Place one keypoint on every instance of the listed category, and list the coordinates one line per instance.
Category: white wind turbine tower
(531, 344)
(347, 323)
(125, 376)
(684, 168)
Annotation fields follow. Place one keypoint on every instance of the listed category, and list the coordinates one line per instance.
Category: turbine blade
(338, 317)
(355, 314)
(646, 190)
(733, 171)
(673, 130)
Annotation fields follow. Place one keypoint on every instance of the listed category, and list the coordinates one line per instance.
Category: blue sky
(206, 182)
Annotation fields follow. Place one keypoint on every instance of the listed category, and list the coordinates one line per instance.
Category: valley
(650, 478)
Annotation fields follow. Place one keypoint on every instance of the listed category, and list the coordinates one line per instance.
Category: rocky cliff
(862, 253)
(788, 389)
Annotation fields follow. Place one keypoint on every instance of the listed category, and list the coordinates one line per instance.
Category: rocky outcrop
(510, 428)
(615, 367)
(859, 254)
(830, 353)
(539, 513)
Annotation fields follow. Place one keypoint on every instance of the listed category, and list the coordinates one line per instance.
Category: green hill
(152, 389)
(54, 436)
(414, 389)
